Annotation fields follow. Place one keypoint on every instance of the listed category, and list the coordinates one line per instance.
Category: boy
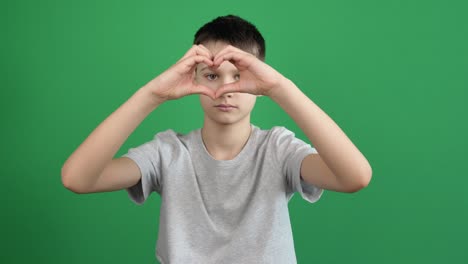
(225, 187)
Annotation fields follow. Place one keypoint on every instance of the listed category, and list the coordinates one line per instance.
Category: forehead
(215, 46)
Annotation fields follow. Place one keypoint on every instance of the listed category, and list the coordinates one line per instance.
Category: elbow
(68, 183)
(360, 181)
(358, 185)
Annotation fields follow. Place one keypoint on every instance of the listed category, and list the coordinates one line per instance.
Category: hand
(178, 80)
(256, 77)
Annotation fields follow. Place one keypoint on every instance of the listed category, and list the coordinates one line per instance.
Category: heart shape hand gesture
(256, 77)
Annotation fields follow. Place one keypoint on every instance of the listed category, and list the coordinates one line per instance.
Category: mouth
(225, 107)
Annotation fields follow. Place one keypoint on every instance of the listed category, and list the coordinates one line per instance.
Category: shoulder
(171, 139)
(273, 130)
(273, 136)
(273, 133)
(285, 140)
(278, 132)
(169, 133)
(172, 135)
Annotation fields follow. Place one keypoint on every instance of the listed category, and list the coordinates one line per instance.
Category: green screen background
(392, 74)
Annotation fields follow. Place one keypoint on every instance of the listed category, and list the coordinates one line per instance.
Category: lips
(225, 105)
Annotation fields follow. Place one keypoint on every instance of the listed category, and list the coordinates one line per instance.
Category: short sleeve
(290, 152)
(147, 157)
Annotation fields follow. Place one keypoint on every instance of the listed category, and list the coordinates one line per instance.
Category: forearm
(335, 148)
(83, 167)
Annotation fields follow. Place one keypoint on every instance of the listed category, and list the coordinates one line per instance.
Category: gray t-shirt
(223, 211)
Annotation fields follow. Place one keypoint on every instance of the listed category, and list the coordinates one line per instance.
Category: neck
(224, 142)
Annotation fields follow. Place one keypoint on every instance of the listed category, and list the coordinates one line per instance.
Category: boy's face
(225, 73)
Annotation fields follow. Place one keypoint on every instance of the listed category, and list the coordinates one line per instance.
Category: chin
(223, 120)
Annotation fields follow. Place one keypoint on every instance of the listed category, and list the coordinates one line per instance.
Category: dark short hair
(235, 31)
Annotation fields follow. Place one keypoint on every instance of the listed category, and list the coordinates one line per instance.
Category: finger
(200, 89)
(236, 58)
(191, 62)
(228, 88)
(189, 53)
(221, 53)
(197, 50)
(210, 54)
(229, 49)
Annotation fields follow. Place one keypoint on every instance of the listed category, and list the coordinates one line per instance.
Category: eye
(210, 75)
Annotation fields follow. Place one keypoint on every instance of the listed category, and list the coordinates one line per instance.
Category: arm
(340, 166)
(82, 169)
(91, 167)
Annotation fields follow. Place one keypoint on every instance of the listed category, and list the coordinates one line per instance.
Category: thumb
(201, 89)
(228, 88)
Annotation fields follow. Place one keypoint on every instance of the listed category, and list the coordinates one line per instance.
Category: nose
(227, 81)
(228, 95)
